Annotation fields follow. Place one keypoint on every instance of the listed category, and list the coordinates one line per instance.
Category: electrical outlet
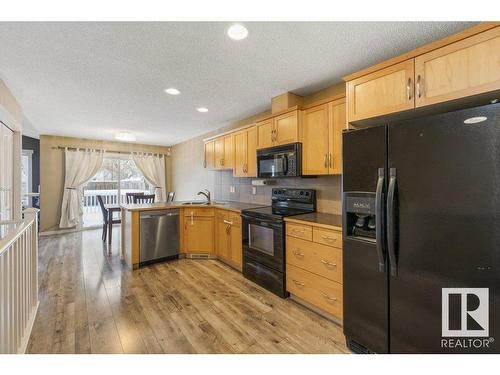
(254, 190)
(232, 189)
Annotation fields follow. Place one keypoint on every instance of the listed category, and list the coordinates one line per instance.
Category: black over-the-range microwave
(280, 161)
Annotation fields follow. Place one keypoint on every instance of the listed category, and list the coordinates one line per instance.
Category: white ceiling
(93, 79)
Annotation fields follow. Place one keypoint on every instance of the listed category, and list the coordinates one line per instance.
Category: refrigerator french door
(421, 216)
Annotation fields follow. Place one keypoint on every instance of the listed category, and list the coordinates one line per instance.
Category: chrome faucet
(206, 194)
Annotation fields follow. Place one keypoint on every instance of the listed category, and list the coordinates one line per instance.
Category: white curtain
(153, 169)
(80, 167)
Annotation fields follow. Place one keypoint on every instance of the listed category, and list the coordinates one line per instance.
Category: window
(118, 176)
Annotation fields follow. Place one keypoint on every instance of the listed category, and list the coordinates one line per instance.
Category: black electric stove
(264, 237)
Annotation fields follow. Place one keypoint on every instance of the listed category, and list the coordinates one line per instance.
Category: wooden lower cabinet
(316, 290)
(198, 231)
(228, 246)
(314, 266)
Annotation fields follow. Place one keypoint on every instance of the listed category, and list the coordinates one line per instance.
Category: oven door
(272, 164)
(263, 241)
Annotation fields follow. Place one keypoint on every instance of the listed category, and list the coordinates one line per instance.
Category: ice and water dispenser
(359, 214)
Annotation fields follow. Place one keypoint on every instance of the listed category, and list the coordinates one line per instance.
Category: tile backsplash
(328, 190)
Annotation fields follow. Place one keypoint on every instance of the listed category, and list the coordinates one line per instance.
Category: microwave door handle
(285, 165)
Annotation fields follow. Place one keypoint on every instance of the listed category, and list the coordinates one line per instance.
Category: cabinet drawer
(319, 259)
(197, 211)
(299, 231)
(327, 237)
(316, 290)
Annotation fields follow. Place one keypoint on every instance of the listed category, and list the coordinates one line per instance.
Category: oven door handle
(255, 220)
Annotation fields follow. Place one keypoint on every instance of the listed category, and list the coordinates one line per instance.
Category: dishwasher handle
(152, 216)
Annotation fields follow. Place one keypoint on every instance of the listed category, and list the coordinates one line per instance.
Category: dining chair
(146, 198)
(108, 221)
(104, 218)
(171, 196)
(129, 197)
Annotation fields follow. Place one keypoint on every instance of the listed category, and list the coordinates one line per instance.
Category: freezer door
(365, 284)
(444, 230)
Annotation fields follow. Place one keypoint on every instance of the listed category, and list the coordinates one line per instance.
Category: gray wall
(189, 177)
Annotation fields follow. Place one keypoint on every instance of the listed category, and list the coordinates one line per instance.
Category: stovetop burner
(286, 202)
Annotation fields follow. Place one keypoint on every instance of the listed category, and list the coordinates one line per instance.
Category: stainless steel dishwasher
(159, 236)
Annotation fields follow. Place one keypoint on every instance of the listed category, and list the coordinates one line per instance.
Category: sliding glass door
(118, 176)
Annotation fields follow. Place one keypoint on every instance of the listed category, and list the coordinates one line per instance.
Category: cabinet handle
(328, 238)
(328, 264)
(222, 162)
(419, 92)
(408, 89)
(296, 230)
(298, 283)
(325, 161)
(327, 297)
(228, 222)
(298, 253)
(192, 218)
(330, 160)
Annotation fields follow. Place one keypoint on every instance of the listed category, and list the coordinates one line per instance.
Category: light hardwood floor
(91, 303)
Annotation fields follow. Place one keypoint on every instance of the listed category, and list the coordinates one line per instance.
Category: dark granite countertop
(319, 218)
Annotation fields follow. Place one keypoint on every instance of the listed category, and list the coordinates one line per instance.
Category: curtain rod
(110, 151)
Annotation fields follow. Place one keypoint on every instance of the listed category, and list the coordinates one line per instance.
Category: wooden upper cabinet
(219, 153)
(240, 153)
(209, 161)
(286, 128)
(265, 133)
(228, 151)
(382, 92)
(465, 68)
(322, 138)
(315, 140)
(251, 168)
(337, 124)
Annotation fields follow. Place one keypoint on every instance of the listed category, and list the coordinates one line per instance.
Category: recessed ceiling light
(237, 32)
(475, 120)
(125, 137)
(202, 109)
(172, 91)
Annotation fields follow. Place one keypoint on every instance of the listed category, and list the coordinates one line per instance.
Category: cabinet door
(265, 133)
(382, 92)
(227, 160)
(240, 154)
(199, 235)
(315, 141)
(337, 123)
(286, 128)
(219, 153)
(209, 162)
(465, 68)
(251, 160)
(236, 244)
(222, 245)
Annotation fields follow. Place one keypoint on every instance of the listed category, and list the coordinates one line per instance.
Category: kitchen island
(205, 230)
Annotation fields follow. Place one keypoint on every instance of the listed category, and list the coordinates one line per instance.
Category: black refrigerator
(421, 234)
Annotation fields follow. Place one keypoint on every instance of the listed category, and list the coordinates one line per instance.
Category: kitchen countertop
(225, 205)
(320, 218)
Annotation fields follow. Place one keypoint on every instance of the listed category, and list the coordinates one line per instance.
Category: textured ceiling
(93, 79)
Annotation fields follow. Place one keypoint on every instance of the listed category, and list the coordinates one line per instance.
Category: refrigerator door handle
(379, 215)
(391, 242)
